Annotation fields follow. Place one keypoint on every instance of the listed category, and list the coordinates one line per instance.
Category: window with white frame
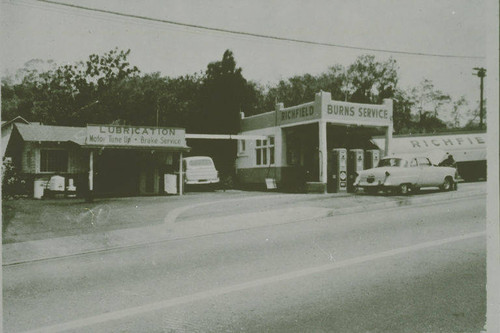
(241, 146)
(53, 160)
(264, 151)
(271, 150)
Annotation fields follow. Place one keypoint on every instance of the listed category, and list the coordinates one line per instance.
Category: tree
(402, 117)
(223, 94)
(180, 104)
(364, 81)
(69, 94)
(302, 88)
(458, 112)
(473, 122)
(429, 123)
(372, 80)
(429, 99)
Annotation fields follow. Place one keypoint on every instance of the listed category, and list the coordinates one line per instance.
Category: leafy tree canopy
(108, 89)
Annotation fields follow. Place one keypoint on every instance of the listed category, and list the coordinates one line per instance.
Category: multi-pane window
(53, 160)
(261, 152)
(241, 146)
(258, 152)
(264, 151)
(271, 150)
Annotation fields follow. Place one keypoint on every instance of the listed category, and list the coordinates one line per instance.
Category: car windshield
(201, 162)
(397, 162)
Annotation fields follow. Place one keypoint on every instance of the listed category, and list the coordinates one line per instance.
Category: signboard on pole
(361, 114)
(297, 114)
(134, 136)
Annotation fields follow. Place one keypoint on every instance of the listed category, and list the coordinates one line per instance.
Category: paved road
(409, 269)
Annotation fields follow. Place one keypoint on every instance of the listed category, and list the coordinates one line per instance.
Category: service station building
(313, 143)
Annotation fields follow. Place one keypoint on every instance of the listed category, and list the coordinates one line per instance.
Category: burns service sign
(133, 136)
(362, 114)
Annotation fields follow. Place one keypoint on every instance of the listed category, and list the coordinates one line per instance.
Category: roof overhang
(17, 119)
(226, 136)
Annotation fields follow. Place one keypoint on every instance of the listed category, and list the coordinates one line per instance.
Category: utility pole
(481, 73)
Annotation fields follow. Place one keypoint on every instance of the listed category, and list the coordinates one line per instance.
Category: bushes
(13, 184)
(226, 181)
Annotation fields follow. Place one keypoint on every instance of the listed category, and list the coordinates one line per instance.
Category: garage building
(104, 160)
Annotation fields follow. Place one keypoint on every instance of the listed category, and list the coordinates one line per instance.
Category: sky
(36, 30)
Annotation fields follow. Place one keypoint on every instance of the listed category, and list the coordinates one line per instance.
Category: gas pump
(372, 156)
(337, 170)
(355, 163)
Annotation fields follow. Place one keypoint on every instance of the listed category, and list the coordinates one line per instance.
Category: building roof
(18, 119)
(47, 133)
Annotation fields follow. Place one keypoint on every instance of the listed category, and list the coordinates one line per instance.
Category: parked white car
(199, 170)
(404, 173)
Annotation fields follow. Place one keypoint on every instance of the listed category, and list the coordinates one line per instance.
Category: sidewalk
(202, 216)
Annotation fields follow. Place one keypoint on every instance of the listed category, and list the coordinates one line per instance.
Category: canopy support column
(323, 152)
(181, 175)
(90, 194)
(388, 140)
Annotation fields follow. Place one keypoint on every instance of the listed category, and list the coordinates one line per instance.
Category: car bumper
(202, 181)
(376, 187)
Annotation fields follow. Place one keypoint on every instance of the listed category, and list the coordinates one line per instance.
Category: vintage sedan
(403, 173)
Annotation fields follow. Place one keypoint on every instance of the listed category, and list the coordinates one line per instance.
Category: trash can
(71, 189)
(170, 183)
(39, 188)
(56, 183)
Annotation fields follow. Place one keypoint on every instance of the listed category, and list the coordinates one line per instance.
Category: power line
(243, 33)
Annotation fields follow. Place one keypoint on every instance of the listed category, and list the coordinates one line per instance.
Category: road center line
(89, 321)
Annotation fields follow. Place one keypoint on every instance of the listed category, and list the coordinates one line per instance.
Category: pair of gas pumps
(343, 165)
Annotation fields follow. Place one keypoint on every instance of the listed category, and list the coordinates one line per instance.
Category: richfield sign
(337, 112)
(298, 113)
(132, 136)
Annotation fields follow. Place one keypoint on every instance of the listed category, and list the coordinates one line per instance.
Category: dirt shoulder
(31, 219)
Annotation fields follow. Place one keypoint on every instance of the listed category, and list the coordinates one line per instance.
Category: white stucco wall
(247, 159)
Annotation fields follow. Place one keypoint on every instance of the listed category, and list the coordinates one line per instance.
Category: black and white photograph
(250, 166)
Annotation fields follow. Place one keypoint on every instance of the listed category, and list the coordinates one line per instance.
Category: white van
(199, 170)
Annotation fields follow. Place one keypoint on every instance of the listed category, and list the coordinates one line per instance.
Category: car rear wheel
(447, 184)
(403, 189)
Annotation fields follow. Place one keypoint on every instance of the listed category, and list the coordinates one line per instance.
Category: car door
(425, 171)
(415, 171)
(436, 175)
